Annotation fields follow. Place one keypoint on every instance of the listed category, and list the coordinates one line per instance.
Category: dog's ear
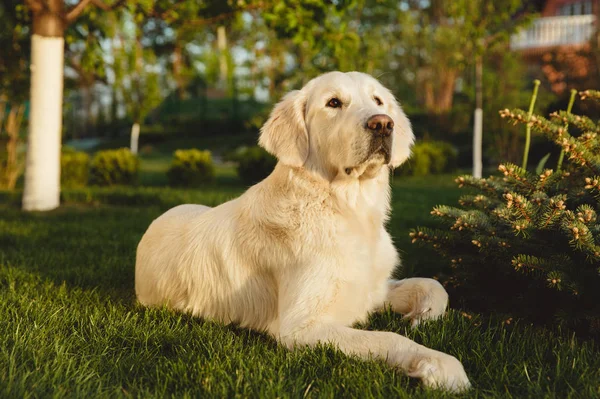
(403, 136)
(285, 134)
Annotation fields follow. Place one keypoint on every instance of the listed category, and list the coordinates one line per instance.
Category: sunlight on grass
(69, 323)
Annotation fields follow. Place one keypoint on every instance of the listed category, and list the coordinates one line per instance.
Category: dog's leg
(308, 315)
(434, 368)
(418, 299)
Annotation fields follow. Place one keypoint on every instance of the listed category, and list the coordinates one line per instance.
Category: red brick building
(563, 44)
(562, 23)
(554, 8)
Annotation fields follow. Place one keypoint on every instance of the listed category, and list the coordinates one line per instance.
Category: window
(576, 8)
(564, 10)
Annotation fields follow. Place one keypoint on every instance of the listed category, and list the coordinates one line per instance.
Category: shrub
(430, 157)
(254, 164)
(529, 244)
(74, 168)
(191, 168)
(112, 167)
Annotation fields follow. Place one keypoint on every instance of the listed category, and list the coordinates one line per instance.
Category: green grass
(412, 200)
(70, 327)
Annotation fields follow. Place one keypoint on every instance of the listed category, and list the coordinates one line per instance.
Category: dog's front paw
(440, 371)
(419, 299)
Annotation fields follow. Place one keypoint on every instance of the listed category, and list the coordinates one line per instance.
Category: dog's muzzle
(381, 127)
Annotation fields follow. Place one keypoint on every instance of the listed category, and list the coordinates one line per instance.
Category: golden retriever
(304, 254)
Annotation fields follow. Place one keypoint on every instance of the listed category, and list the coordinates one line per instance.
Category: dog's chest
(364, 265)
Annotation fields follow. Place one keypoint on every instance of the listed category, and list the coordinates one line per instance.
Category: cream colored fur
(304, 254)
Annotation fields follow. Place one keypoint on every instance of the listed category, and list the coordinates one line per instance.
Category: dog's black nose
(381, 125)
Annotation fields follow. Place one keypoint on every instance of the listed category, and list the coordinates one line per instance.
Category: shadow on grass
(82, 246)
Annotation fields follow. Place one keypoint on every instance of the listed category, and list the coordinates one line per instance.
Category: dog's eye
(334, 103)
(378, 100)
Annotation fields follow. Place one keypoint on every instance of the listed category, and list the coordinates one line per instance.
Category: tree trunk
(135, 135)
(13, 166)
(429, 96)
(478, 120)
(437, 89)
(223, 67)
(89, 123)
(42, 171)
(445, 94)
(178, 70)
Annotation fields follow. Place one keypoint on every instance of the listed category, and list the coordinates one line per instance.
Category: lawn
(70, 327)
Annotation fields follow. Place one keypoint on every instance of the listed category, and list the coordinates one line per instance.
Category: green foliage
(136, 63)
(530, 244)
(442, 39)
(112, 167)
(15, 43)
(191, 168)
(74, 168)
(430, 157)
(501, 140)
(254, 164)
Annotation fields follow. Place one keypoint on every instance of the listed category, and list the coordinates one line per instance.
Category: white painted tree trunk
(478, 123)
(477, 143)
(135, 135)
(222, 45)
(42, 172)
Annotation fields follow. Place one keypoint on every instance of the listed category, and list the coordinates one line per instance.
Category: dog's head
(338, 123)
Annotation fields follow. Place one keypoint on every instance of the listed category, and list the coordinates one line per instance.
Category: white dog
(304, 254)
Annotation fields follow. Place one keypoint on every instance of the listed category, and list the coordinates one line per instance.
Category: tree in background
(504, 141)
(171, 26)
(14, 80)
(86, 63)
(136, 72)
(317, 37)
(419, 49)
(15, 44)
(50, 19)
(442, 39)
(451, 35)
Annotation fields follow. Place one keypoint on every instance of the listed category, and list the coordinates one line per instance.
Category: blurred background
(204, 74)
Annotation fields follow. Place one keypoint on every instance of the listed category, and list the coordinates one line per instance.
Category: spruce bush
(191, 168)
(74, 168)
(528, 244)
(114, 167)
